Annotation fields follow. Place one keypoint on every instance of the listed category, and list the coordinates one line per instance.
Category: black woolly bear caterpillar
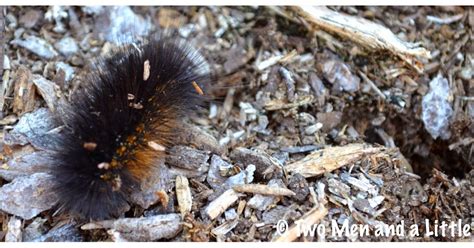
(121, 123)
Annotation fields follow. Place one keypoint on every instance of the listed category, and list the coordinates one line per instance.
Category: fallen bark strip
(308, 220)
(263, 190)
(330, 158)
(141, 229)
(4, 75)
(364, 32)
(2, 42)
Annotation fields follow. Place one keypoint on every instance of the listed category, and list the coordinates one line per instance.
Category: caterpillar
(121, 122)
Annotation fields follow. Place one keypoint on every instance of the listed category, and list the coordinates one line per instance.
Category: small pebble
(437, 109)
(67, 46)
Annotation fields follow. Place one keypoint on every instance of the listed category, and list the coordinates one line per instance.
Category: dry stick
(364, 32)
(372, 85)
(309, 219)
(263, 190)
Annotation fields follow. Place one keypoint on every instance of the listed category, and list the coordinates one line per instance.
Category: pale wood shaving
(183, 194)
(330, 158)
(263, 190)
(221, 203)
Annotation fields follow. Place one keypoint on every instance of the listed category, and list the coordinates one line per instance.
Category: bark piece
(26, 164)
(28, 196)
(50, 93)
(142, 229)
(40, 128)
(62, 232)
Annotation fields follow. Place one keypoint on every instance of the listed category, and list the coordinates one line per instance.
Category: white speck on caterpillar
(146, 70)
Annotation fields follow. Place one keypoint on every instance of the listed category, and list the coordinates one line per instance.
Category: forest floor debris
(304, 127)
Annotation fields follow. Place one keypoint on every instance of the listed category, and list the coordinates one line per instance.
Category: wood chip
(309, 219)
(264, 202)
(263, 190)
(221, 203)
(269, 62)
(330, 158)
(278, 104)
(241, 207)
(225, 228)
(183, 194)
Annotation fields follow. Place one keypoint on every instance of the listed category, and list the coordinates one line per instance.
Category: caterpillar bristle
(122, 121)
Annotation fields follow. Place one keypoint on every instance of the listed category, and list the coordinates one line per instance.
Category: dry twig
(263, 190)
